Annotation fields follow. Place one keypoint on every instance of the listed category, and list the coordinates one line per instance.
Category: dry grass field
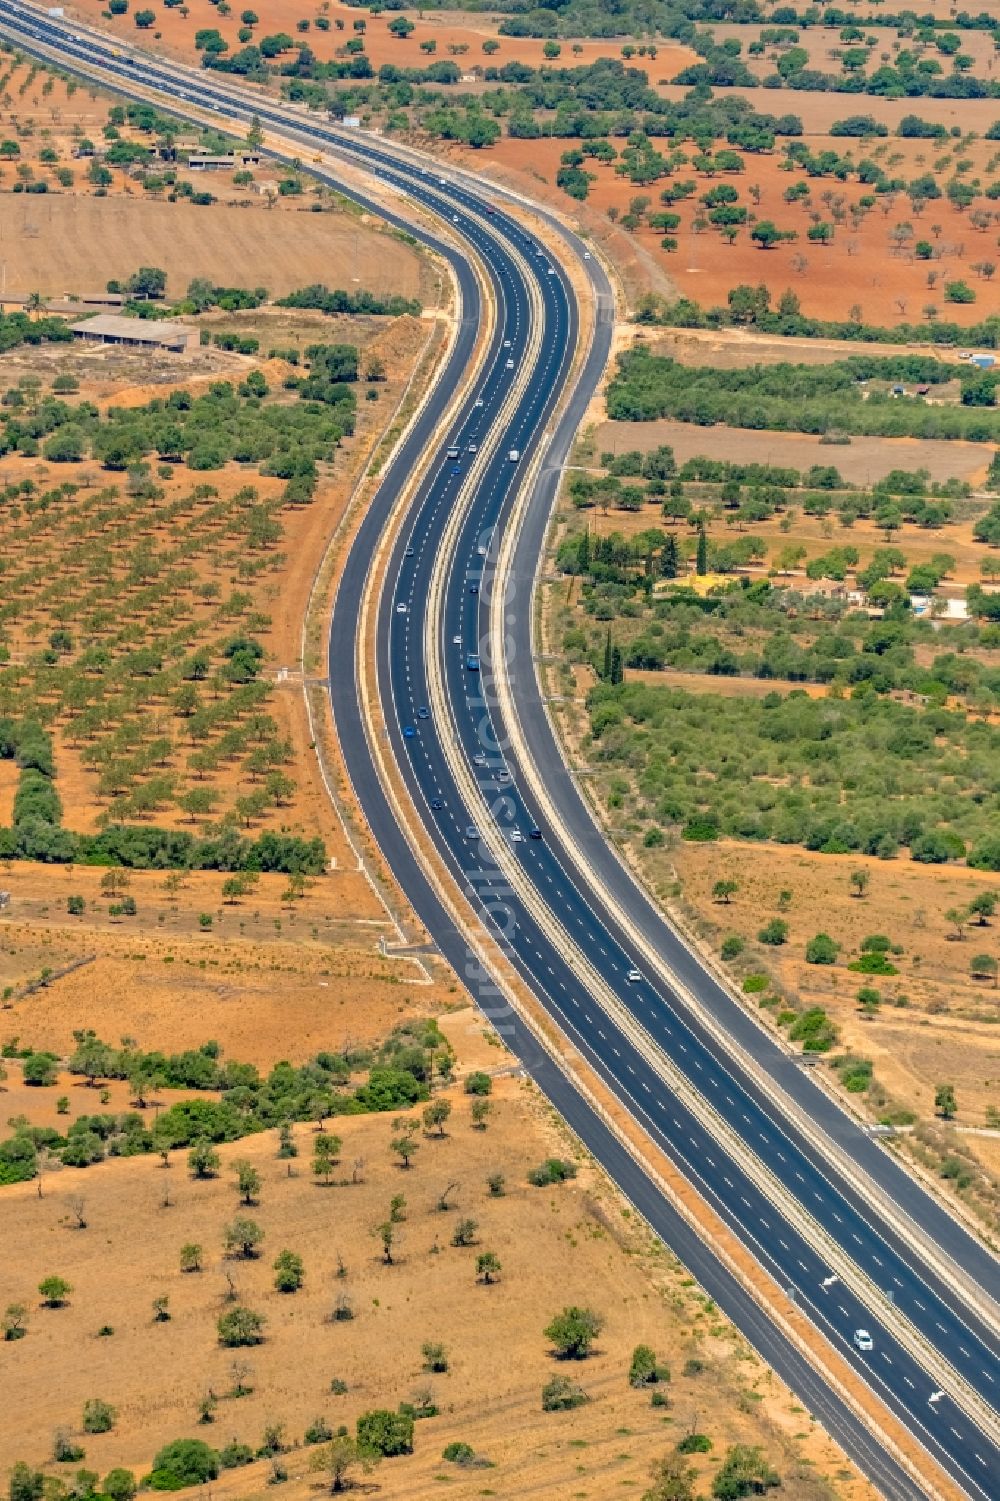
(574, 1243)
(73, 244)
(268, 975)
(73, 238)
(933, 1011)
(864, 461)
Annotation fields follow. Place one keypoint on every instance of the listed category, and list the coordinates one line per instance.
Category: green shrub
(240, 1326)
(822, 950)
(119, 1485)
(744, 1472)
(98, 1416)
(644, 1369)
(318, 1432)
(385, 1433)
(65, 1450)
(478, 1083)
(856, 1074)
(694, 1443)
(458, 1453)
(560, 1394)
(573, 1331)
(186, 1461)
(289, 1272)
(732, 946)
(873, 964)
(814, 1029)
(552, 1170)
(234, 1455)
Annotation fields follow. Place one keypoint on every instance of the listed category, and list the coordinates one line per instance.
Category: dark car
(534, 833)
(423, 713)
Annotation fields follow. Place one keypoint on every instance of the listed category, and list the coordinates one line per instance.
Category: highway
(559, 905)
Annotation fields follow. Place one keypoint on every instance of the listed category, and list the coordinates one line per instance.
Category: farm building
(202, 162)
(137, 333)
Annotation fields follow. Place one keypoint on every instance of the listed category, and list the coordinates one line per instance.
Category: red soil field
(859, 268)
(175, 33)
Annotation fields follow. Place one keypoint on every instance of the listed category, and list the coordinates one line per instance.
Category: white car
(587, 255)
(472, 447)
(506, 343)
(863, 1340)
(510, 364)
(479, 402)
(400, 609)
(456, 640)
(516, 837)
(634, 975)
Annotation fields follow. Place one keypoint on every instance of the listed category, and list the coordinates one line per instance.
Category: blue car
(472, 662)
(408, 732)
(423, 713)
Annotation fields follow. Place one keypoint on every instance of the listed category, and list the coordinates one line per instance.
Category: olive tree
(573, 1331)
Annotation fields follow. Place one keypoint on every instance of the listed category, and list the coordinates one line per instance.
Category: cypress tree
(668, 558)
(617, 672)
(607, 656)
(701, 562)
